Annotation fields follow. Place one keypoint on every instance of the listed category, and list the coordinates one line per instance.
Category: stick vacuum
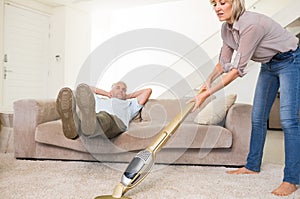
(141, 164)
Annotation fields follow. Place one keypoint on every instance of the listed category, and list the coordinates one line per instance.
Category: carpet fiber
(60, 179)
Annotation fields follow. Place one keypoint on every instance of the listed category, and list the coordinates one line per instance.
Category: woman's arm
(217, 72)
(209, 90)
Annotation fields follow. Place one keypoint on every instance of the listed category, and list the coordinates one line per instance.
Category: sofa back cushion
(167, 109)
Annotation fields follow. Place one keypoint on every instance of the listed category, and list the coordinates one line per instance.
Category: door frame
(1, 50)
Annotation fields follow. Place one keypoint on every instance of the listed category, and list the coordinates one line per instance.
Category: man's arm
(141, 95)
(99, 91)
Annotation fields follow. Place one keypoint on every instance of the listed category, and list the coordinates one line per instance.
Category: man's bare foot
(242, 170)
(285, 189)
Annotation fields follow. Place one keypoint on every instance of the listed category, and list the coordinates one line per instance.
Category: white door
(26, 57)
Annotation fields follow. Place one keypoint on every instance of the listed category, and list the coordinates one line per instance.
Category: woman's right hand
(200, 98)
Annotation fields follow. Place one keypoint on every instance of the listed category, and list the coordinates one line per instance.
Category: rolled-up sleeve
(246, 43)
(225, 57)
(228, 65)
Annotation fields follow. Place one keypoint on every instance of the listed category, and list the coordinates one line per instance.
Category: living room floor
(274, 147)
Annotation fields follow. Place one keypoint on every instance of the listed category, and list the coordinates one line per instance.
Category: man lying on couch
(97, 116)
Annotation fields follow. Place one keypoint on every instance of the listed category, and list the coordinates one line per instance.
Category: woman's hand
(205, 86)
(200, 98)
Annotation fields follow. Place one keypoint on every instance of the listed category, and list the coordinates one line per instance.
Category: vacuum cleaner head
(136, 171)
(138, 168)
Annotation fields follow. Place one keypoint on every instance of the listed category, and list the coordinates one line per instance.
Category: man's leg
(111, 125)
(103, 124)
(86, 104)
(66, 108)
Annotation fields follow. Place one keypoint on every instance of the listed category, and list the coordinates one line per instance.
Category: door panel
(26, 47)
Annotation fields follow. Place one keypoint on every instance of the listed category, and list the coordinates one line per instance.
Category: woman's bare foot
(285, 189)
(242, 170)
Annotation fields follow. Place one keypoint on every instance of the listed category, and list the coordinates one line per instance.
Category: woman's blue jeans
(283, 72)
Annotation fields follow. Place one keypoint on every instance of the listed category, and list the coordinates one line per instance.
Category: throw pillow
(215, 112)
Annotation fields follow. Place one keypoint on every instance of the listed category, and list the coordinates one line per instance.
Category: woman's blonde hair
(238, 8)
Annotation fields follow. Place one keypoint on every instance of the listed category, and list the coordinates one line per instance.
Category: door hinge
(5, 58)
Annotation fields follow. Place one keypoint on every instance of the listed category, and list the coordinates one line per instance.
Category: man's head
(118, 90)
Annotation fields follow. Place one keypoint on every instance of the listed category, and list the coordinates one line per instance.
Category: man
(97, 116)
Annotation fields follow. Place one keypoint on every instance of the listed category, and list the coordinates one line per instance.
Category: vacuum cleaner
(141, 164)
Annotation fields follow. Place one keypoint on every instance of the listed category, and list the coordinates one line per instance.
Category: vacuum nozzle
(136, 171)
(138, 168)
(119, 191)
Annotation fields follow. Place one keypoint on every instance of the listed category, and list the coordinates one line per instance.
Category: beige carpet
(65, 180)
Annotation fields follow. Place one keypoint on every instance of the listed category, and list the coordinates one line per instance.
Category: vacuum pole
(170, 129)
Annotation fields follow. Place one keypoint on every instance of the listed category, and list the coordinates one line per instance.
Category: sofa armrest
(28, 113)
(238, 121)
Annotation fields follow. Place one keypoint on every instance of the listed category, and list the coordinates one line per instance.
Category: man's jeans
(283, 72)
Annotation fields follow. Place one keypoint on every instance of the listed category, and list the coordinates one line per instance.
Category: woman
(257, 37)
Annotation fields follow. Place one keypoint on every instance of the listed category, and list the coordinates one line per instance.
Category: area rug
(86, 180)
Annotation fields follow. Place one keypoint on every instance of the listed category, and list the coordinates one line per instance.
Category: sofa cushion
(167, 109)
(188, 135)
(51, 133)
(214, 112)
(140, 135)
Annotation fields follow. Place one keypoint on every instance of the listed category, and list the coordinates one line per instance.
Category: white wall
(75, 33)
(77, 43)
(70, 41)
(57, 50)
(192, 18)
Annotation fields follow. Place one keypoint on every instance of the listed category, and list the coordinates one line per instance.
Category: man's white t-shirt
(125, 110)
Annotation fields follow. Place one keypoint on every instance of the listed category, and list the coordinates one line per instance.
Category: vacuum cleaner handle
(172, 126)
(170, 129)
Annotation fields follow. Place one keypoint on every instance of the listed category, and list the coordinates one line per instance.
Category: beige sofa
(38, 135)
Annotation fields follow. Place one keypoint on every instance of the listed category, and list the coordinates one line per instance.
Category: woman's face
(223, 9)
